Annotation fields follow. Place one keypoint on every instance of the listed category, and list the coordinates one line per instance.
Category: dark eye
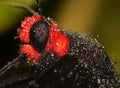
(39, 35)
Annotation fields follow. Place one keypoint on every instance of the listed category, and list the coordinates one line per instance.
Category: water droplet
(55, 70)
(97, 36)
(99, 81)
(62, 79)
(85, 65)
(52, 55)
(28, 61)
(15, 37)
(103, 80)
(48, 63)
(103, 47)
(77, 84)
(76, 65)
(71, 73)
(35, 71)
(57, 43)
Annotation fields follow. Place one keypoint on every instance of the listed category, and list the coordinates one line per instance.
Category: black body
(85, 66)
(39, 33)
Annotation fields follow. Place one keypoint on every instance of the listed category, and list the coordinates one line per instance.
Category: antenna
(39, 7)
(16, 5)
(10, 64)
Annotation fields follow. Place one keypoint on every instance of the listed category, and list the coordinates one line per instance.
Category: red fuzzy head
(38, 35)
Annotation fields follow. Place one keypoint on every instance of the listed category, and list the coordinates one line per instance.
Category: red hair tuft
(23, 31)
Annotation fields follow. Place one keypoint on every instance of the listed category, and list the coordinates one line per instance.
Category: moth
(61, 59)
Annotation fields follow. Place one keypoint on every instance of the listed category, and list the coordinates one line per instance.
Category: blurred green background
(99, 18)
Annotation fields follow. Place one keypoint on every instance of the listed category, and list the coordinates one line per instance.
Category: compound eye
(39, 33)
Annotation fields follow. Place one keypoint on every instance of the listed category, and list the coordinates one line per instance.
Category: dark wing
(21, 78)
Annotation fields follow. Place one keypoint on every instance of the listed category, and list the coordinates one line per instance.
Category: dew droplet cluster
(86, 65)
